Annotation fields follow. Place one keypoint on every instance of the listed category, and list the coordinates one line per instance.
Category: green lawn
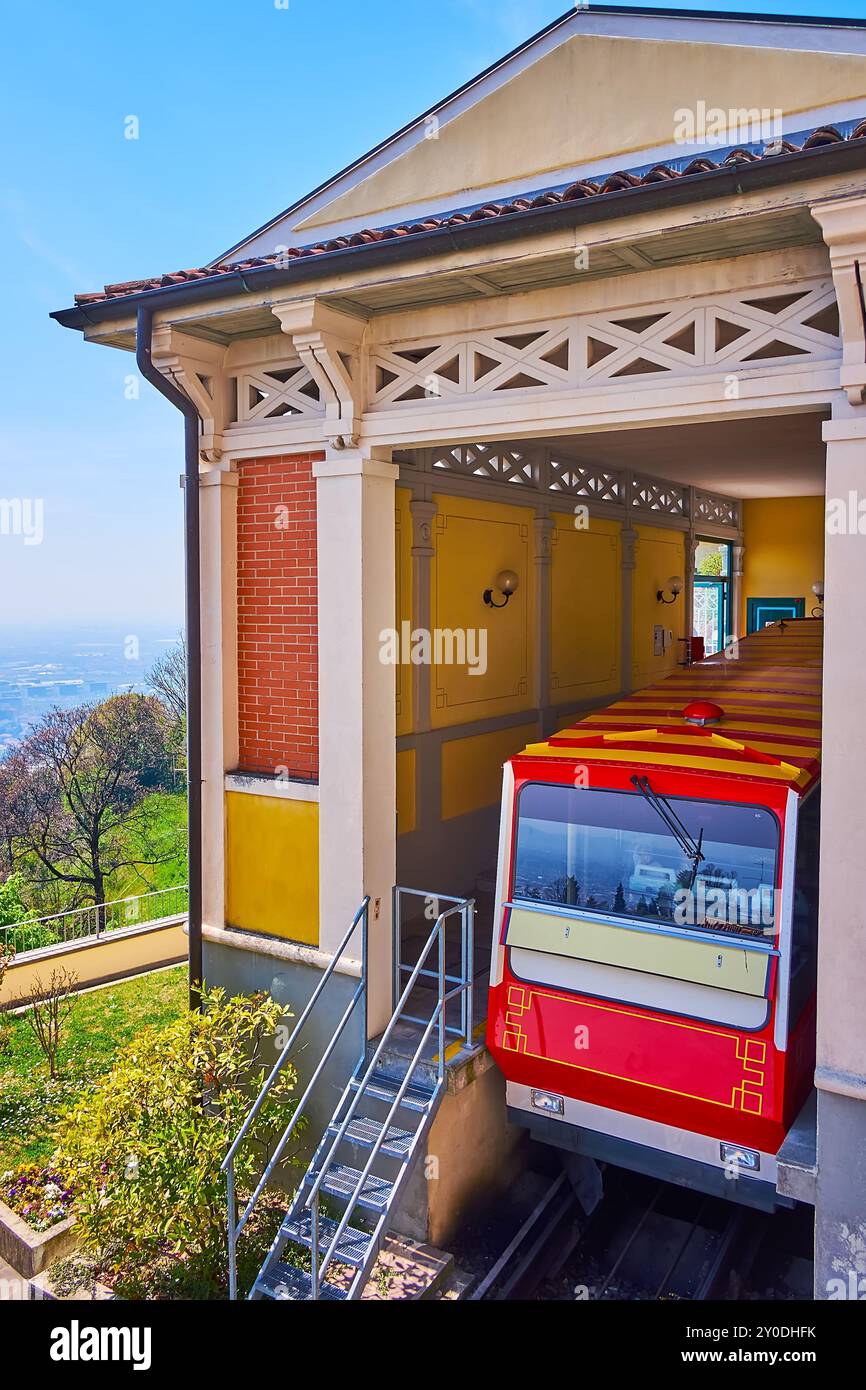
(101, 1023)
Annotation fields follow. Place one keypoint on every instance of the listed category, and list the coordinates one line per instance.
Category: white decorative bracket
(843, 225)
(328, 343)
(197, 368)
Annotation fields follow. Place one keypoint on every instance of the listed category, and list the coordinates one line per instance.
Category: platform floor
(797, 1160)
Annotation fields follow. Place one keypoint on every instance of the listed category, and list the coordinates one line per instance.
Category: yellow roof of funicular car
(767, 722)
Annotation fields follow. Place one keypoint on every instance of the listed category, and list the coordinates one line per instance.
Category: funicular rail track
(646, 1241)
(544, 1242)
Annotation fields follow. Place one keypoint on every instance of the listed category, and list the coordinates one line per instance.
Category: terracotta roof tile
(583, 188)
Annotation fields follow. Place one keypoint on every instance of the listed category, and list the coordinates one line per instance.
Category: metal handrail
(373, 1064)
(466, 960)
(397, 895)
(235, 1227)
(464, 908)
(98, 920)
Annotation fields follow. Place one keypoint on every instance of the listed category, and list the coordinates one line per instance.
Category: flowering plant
(39, 1195)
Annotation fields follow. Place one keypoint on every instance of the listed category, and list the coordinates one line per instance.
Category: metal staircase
(367, 1151)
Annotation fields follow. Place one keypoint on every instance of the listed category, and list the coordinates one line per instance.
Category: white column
(738, 557)
(840, 1209)
(357, 705)
(542, 528)
(842, 974)
(629, 542)
(219, 675)
(423, 552)
(691, 544)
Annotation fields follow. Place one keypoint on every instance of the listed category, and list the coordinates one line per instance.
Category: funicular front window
(610, 852)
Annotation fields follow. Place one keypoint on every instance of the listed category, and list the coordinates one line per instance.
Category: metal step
(365, 1133)
(341, 1181)
(286, 1283)
(354, 1245)
(380, 1087)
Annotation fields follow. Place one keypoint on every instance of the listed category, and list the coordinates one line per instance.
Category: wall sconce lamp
(507, 584)
(675, 584)
(818, 591)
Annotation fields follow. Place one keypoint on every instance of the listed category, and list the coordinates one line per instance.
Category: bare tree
(167, 677)
(50, 1007)
(75, 791)
(7, 819)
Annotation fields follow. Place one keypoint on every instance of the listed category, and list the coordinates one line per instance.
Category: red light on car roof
(703, 712)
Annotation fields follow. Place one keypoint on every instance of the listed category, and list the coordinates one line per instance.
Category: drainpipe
(143, 344)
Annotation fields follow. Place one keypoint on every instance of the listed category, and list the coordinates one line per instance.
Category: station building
(561, 375)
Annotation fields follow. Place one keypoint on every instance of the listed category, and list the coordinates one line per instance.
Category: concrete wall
(471, 1158)
(114, 957)
(292, 983)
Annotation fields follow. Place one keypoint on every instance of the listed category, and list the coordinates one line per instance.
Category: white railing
(96, 921)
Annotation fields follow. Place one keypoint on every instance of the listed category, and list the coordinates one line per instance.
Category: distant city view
(40, 669)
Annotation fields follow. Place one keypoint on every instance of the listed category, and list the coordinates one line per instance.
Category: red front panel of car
(688, 1073)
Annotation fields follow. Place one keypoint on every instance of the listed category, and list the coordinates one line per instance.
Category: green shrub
(12, 906)
(33, 935)
(143, 1151)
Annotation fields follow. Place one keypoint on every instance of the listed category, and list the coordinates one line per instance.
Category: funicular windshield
(614, 853)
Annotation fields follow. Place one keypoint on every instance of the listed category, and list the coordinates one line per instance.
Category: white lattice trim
(720, 511)
(274, 392)
(585, 480)
(656, 495)
(495, 462)
(720, 334)
(539, 470)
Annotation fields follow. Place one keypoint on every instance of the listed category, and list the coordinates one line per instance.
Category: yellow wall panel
(272, 866)
(403, 549)
(680, 958)
(406, 805)
(472, 768)
(784, 549)
(585, 609)
(475, 541)
(660, 554)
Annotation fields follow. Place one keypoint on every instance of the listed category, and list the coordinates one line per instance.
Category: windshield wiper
(691, 848)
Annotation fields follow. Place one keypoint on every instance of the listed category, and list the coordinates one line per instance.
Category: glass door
(711, 615)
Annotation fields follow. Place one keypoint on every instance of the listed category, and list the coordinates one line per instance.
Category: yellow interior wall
(784, 548)
(660, 554)
(472, 768)
(406, 808)
(403, 549)
(585, 609)
(474, 542)
(538, 122)
(272, 866)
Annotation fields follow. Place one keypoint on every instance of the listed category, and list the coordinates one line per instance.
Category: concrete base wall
(291, 984)
(472, 1157)
(840, 1209)
(116, 956)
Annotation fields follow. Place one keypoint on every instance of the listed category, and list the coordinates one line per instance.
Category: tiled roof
(583, 188)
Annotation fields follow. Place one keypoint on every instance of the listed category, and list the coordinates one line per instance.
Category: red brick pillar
(278, 722)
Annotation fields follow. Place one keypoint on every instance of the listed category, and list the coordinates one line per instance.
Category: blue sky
(243, 106)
